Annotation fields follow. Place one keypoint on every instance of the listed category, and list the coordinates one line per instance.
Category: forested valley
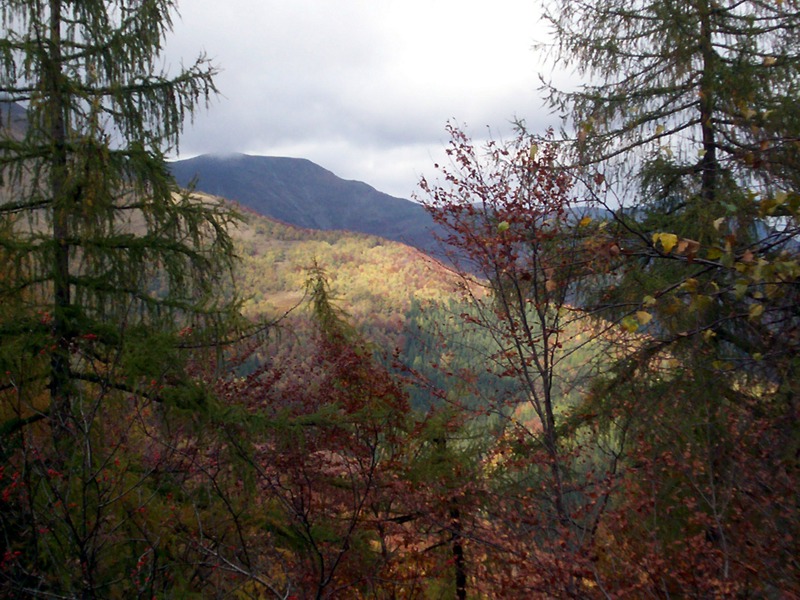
(590, 392)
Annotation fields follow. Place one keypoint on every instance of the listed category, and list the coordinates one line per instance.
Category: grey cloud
(363, 88)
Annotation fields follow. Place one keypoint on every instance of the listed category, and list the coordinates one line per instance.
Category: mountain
(373, 280)
(13, 119)
(301, 193)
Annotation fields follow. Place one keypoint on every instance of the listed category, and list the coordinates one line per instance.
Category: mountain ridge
(299, 192)
(13, 119)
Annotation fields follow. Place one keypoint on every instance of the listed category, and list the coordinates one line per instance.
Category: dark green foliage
(111, 275)
(688, 133)
(707, 85)
(102, 248)
(451, 357)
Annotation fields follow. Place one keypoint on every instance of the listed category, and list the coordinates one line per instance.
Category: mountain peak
(302, 193)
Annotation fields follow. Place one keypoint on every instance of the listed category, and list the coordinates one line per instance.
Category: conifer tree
(100, 240)
(109, 274)
(702, 89)
(690, 119)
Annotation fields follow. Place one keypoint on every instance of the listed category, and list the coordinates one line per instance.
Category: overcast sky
(364, 88)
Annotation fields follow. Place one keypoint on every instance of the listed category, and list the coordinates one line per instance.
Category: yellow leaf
(755, 311)
(534, 151)
(690, 285)
(659, 130)
(585, 221)
(769, 61)
(648, 301)
(718, 223)
(643, 317)
(502, 226)
(668, 241)
(629, 324)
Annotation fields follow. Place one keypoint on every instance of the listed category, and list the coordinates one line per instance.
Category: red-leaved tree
(524, 247)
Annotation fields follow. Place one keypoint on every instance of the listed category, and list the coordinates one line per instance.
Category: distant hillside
(301, 193)
(374, 280)
(13, 119)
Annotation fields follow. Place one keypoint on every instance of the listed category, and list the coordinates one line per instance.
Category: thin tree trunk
(60, 376)
(458, 553)
(708, 163)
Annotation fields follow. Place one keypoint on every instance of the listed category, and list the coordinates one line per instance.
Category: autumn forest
(591, 389)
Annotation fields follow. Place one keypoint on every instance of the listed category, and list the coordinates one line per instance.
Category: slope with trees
(613, 407)
(682, 456)
(327, 498)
